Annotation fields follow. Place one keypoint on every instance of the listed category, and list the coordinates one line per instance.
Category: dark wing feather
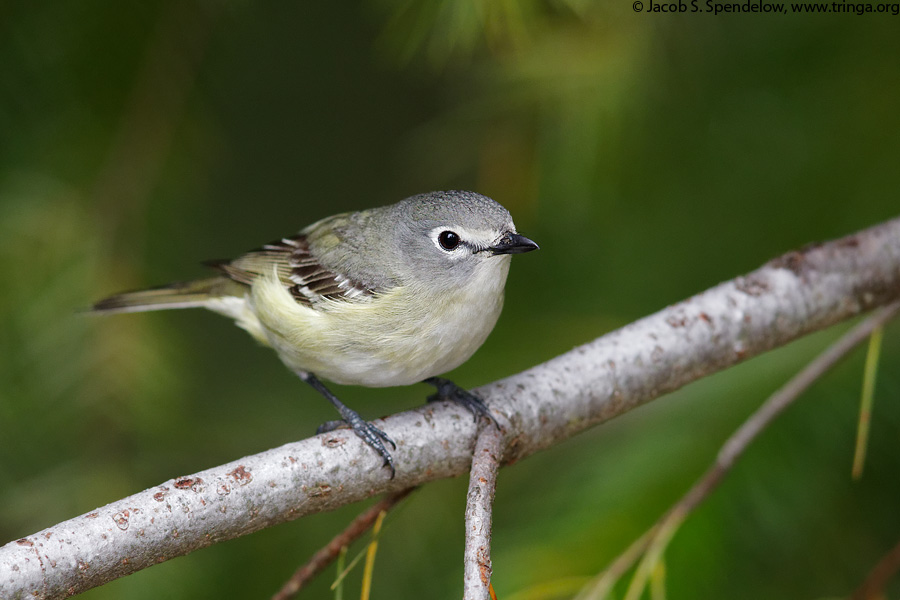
(300, 272)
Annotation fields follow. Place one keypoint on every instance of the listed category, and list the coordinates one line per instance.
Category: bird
(387, 296)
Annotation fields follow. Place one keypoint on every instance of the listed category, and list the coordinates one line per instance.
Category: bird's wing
(290, 258)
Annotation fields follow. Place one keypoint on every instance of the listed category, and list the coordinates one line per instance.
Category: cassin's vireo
(388, 296)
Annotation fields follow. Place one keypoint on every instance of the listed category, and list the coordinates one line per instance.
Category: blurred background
(651, 156)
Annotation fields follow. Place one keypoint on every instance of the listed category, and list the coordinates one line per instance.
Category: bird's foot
(370, 434)
(447, 390)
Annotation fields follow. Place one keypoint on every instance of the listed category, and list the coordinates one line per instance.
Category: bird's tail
(187, 294)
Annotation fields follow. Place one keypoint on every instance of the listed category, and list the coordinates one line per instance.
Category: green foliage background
(651, 156)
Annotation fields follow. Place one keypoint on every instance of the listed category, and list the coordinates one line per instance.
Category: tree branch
(479, 505)
(787, 298)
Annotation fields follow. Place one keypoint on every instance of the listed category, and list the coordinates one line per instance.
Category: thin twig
(873, 586)
(658, 536)
(331, 551)
(479, 505)
(792, 390)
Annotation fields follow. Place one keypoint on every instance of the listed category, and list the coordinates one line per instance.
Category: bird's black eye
(448, 240)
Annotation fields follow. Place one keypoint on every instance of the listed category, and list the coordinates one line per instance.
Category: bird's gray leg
(370, 434)
(447, 390)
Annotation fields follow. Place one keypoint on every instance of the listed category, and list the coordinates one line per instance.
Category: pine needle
(866, 401)
(370, 558)
(341, 565)
(342, 574)
(563, 588)
(376, 530)
(658, 581)
(654, 554)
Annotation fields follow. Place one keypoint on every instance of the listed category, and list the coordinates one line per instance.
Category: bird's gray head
(454, 234)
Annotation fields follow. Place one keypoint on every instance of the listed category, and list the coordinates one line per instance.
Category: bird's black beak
(513, 243)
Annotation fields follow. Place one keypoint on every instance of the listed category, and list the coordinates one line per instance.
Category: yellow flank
(368, 342)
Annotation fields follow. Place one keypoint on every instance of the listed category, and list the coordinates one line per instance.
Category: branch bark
(791, 296)
(479, 513)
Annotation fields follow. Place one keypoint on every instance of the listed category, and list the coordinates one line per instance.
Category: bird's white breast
(399, 337)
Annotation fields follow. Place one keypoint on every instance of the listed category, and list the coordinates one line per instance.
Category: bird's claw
(371, 435)
(447, 390)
